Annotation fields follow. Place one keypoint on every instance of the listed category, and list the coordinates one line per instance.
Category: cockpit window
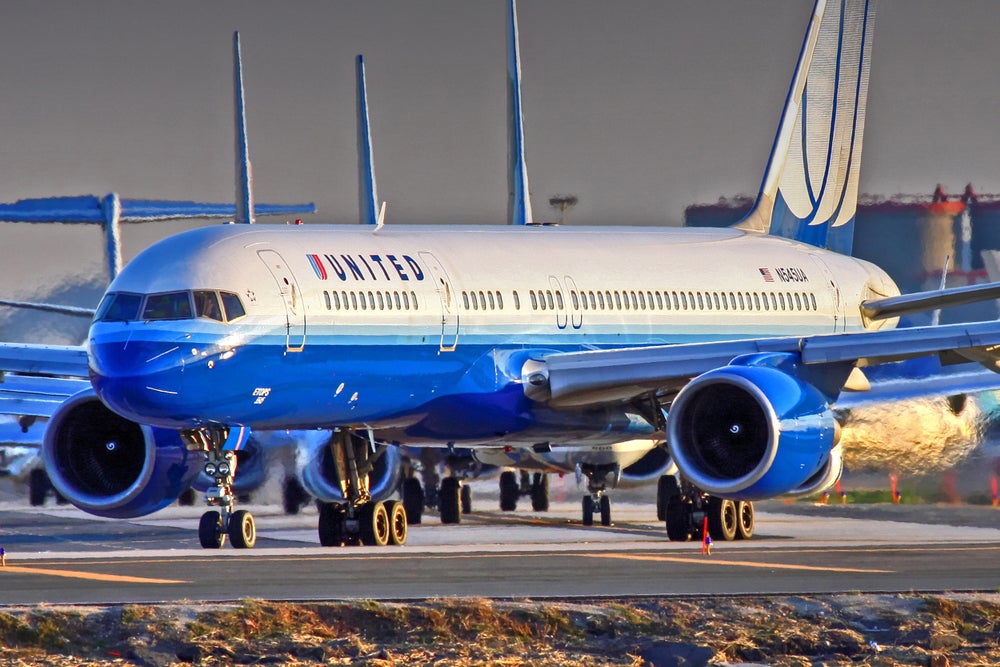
(119, 307)
(233, 305)
(167, 306)
(206, 304)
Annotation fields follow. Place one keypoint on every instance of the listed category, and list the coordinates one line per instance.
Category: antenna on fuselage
(244, 172)
(518, 201)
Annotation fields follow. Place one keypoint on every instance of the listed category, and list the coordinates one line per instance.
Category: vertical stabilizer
(810, 188)
(244, 172)
(518, 202)
(111, 207)
(367, 191)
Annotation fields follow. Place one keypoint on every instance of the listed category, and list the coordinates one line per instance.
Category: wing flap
(50, 360)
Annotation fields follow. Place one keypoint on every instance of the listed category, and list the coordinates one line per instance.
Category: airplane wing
(92, 209)
(36, 379)
(603, 376)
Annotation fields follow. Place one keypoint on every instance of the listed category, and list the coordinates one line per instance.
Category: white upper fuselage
(353, 326)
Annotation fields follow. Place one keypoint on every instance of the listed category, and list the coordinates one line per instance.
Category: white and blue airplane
(732, 344)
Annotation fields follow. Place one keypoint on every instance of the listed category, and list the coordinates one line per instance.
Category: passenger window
(575, 299)
(659, 301)
(381, 303)
(406, 301)
(550, 300)
(781, 300)
(169, 306)
(600, 299)
(499, 300)
(517, 301)
(618, 300)
(395, 297)
(559, 300)
(465, 299)
(413, 295)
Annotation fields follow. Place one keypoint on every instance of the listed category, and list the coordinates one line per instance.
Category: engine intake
(751, 430)
(317, 471)
(112, 467)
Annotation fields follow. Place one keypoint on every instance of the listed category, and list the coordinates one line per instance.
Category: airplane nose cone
(140, 380)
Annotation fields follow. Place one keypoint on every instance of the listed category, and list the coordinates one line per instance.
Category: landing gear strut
(598, 501)
(684, 508)
(359, 519)
(220, 465)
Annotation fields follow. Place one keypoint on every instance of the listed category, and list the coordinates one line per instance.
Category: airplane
(507, 335)
(20, 439)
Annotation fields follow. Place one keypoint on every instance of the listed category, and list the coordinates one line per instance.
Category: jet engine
(647, 470)
(317, 471)
(112, 467)
(754, 429)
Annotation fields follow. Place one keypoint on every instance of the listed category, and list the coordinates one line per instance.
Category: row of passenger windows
(370, 300)
(128, 306)
(645, 300)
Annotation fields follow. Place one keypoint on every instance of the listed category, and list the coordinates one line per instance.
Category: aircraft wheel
(413, 499)
(293, 496)
(331, 525)
(373, 523)
(242, 530)
(678, 520)
(721, 519)
(449, 501)
(211, 532)
(605, 511)
(509, 491)
(540, 492)
(666, 488)
(397, 522)
(38, 487)
(588, 511)
(466, 499)
(745, 520)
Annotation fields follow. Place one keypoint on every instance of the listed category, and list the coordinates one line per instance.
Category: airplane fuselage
(420, 333)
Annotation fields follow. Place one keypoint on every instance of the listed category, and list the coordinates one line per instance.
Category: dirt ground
(936, 630)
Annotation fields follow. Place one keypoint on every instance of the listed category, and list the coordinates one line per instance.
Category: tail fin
(244, 172)
(518, 202)
(810, 188)
(367, 191)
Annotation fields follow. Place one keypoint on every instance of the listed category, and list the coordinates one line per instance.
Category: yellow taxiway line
(97, 576)
(709, 560)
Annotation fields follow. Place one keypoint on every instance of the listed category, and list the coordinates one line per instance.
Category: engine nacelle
(112, 467)
(751, 430)
(317, 471)
(647, 470)
(825, 478)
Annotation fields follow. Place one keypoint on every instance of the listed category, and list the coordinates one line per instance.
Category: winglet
(518, 202)
(367, 191)
(244, 172)
(810, 187)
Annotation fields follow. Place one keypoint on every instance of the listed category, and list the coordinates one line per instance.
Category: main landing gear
(535, 485)
(684, 508)
(220, 465)
(359, 519)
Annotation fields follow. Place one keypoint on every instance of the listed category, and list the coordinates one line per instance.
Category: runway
(59, 555)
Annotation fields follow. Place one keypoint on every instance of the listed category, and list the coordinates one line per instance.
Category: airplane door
(560, 302)
(295, 310)
(574, 296)
(830, 287)
(449, 302)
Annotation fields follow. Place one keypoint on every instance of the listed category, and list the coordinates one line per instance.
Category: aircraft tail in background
(810, 187)
(519, 201)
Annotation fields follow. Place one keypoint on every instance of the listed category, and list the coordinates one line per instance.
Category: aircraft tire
(666, 488)
(449, 501)
(745, 521)
(466, 499)
(509, 491)
(678, 520)
(722, 521)
(588, 511)
(331, 525)
(293, 496)
(211, 532)
(373, 524)
(605, 511)
(397, 522)
(413, 500)
(540, 492)
(38, 487)
(242, 530)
